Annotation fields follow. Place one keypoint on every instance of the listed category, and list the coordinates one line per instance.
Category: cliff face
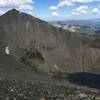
(43, 47)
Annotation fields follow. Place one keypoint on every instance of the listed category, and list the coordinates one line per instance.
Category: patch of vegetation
(95, 46)
(87, 41)
(32, 53)
(58, 74)
(48, 48)
(32, 58)
(93, 43)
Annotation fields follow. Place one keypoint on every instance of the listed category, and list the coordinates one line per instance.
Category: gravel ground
(36, 90)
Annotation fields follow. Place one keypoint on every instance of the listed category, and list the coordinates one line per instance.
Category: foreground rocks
(29, 90)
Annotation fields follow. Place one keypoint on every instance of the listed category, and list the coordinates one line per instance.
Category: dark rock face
(50, 45)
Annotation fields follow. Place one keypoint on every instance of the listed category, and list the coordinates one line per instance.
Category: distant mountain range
(90, 23)
(29, 45)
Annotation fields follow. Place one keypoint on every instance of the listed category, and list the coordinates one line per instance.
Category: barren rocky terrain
(31, 90)
(41, 62)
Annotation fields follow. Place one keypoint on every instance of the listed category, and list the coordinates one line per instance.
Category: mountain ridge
(43, 47)
(21, 27)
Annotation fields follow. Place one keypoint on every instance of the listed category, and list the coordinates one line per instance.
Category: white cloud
(83, 1)
(64, 3)
(85, 10)
(53, 8)
(1, 12)
(55, 14)
(29, 12)
(95, 11)
(21, 5)
(82, 10)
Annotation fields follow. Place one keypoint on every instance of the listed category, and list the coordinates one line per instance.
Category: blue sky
(54, 9)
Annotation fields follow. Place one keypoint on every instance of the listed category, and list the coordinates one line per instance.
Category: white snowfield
(7, 51)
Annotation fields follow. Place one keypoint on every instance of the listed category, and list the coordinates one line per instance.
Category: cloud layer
(22, 5)
(55, 14)
(85, 10)
(66, 3)
(80, 10)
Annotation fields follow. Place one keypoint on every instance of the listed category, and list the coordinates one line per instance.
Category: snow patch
(7, 50)
(56, 67)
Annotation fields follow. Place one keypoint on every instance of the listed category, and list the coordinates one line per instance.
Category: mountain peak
(13, 11)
